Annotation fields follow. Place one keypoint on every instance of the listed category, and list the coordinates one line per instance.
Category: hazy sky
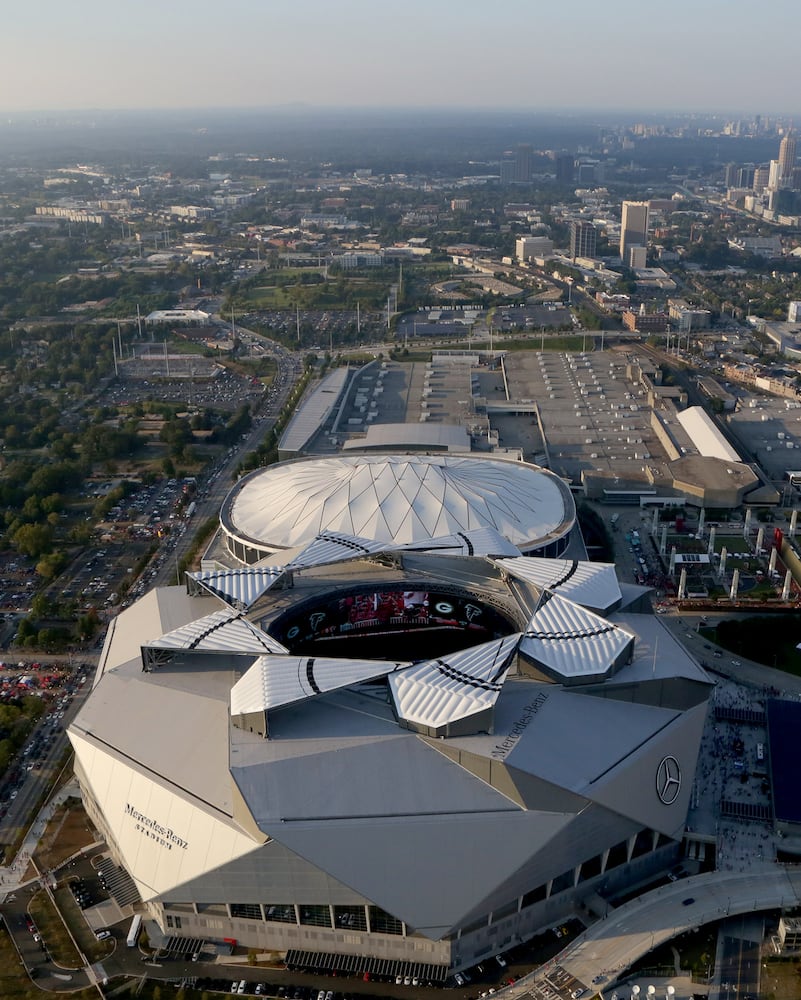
(680, 54)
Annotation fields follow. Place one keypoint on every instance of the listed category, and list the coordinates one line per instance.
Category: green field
(332, 294)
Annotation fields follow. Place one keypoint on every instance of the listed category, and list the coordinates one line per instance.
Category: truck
(134, 932)
(190, 510)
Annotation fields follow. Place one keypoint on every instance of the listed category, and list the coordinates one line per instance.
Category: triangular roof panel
(224, 631)
(331, 546)
(439, 693)
(475, 542)
(572, 644)
(240, 588)
(594, 585)
(274, 681)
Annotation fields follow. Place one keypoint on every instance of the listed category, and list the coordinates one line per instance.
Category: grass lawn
(50, 925)
(770, 640)
(14, 981)
(73, 917)
(67, 832)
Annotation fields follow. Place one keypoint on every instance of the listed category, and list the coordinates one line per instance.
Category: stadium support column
(747, 524)
(655, 522)
(788, 579)
(735, 584)
(760, 540)
(683, 583)
(701, 522)
(723, 554)
(672, 568)
(772, 561)
(711, 548)
(793, 522)
(663, 541)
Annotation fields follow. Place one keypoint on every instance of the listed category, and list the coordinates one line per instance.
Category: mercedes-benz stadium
(389, 745)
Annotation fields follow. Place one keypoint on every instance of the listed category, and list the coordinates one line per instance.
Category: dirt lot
(781, 980)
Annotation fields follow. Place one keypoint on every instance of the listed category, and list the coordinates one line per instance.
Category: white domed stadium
(396, 499)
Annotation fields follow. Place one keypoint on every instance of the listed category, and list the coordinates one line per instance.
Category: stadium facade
(273, 761)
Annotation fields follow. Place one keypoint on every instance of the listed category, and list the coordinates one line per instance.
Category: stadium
(406, 745)
(394, 499)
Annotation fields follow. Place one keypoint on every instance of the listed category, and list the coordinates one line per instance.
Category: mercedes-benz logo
(668, 780)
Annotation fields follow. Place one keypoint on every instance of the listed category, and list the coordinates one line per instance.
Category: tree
(33, 540)
(50, 565)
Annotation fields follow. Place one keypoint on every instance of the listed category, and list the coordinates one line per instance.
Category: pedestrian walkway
(14, 875)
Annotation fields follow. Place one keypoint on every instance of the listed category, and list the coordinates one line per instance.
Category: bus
(134, 932)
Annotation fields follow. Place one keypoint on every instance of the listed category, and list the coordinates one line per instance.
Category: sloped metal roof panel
(594, 585)
(239, 588)
(572, 642)
(273, 681)
(330, 547)
(443, 691)
(478, 542)
(224, 631)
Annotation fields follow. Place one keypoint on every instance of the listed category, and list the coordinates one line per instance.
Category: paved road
(212, 495)
(39, 780)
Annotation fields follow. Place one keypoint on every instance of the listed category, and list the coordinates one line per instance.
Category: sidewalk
(13, 876)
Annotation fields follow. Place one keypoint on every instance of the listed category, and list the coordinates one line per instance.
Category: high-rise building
(633, 228)
(774, 176)
(565, 168)
(786, 160)
(523, 163)
(583, 238)
(507, 171)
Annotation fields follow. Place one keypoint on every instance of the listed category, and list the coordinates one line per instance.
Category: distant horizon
(606, 111)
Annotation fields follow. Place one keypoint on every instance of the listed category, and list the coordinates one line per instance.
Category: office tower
(730, 177)
(633, 228)
(786, 160)
(508, 170)
(761, 177)
(565, 168)
(583, 236)
(523, 163)
(773, 176)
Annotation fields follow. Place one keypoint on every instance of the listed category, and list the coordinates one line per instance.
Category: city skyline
(352, 55)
